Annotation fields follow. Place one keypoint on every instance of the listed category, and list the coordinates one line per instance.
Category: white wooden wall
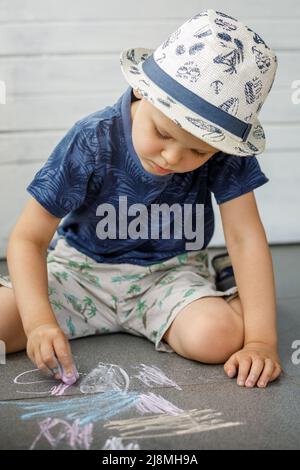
(59, 60)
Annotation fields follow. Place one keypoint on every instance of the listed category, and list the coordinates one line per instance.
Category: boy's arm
(252, 265)
(27, 265)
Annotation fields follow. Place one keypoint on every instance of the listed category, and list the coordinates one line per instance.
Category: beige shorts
(90, 298)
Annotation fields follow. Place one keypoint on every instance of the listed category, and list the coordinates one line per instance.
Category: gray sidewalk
(153, 400)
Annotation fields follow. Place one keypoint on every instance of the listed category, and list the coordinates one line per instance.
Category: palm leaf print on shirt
(87, 308)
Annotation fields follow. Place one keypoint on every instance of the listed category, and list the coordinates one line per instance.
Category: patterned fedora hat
(211, 77)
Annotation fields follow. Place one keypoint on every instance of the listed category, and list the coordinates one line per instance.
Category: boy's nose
(172, 156)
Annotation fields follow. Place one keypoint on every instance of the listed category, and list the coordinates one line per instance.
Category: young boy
(186, 127)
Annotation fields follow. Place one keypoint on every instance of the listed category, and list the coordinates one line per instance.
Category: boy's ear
(137, 94)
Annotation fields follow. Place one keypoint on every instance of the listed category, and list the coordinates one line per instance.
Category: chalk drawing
(37, 372)
(88, 409)
(102, 378)
(152, 376)
(69, 419)
(191, 421)
(115, 443)
(151, 403)
(105, 377)
(76, 435)
(58, 389)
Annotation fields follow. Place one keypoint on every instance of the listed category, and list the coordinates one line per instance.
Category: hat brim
(131, 66)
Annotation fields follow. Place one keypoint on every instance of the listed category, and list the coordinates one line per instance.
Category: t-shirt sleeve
(230, 176)
(60, 186)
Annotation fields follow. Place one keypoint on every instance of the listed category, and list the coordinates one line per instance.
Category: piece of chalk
(66, 379)
(70, 380)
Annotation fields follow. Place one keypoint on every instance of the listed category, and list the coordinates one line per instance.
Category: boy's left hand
(255, 363)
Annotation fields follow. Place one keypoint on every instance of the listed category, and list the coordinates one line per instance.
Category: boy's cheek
(147, 149)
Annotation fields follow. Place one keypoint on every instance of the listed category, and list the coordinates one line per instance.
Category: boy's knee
(213, 340)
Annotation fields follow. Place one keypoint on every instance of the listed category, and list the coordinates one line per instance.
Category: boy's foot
(224, 272)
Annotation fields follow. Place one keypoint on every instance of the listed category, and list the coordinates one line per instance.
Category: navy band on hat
(194, 102)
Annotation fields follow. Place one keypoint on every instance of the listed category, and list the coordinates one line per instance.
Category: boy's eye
(166, 137)
(160, 135)
(198, 153)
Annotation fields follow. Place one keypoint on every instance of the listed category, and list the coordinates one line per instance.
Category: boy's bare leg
(207, 330)
(11, 328)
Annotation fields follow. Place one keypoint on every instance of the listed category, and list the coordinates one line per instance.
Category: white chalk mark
(77, 436)
(57, 389)
(115, 443)
(188, 422)
(152, 376)
(17, 381)
(151, 403)
(105, 377)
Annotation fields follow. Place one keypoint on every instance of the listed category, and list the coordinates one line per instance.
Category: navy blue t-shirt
(95, 163)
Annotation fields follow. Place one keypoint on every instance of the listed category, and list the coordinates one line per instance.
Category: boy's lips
(160, 169)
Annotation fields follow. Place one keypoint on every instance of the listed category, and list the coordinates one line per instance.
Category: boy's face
(161, 145)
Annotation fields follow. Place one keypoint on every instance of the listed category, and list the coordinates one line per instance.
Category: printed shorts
(90, 298)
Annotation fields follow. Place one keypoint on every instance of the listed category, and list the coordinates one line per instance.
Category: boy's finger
(39, 361)
(30, 354)
(244, 366)
(255, 371)
(266, 374)
(47, 354)
(231, 366)
(64, 355)
(277, 371)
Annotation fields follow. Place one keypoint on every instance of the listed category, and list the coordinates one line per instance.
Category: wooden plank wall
(59, 60)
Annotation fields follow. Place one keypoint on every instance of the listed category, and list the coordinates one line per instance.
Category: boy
(187, 126)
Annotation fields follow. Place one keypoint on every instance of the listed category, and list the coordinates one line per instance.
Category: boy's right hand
(46, 341)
